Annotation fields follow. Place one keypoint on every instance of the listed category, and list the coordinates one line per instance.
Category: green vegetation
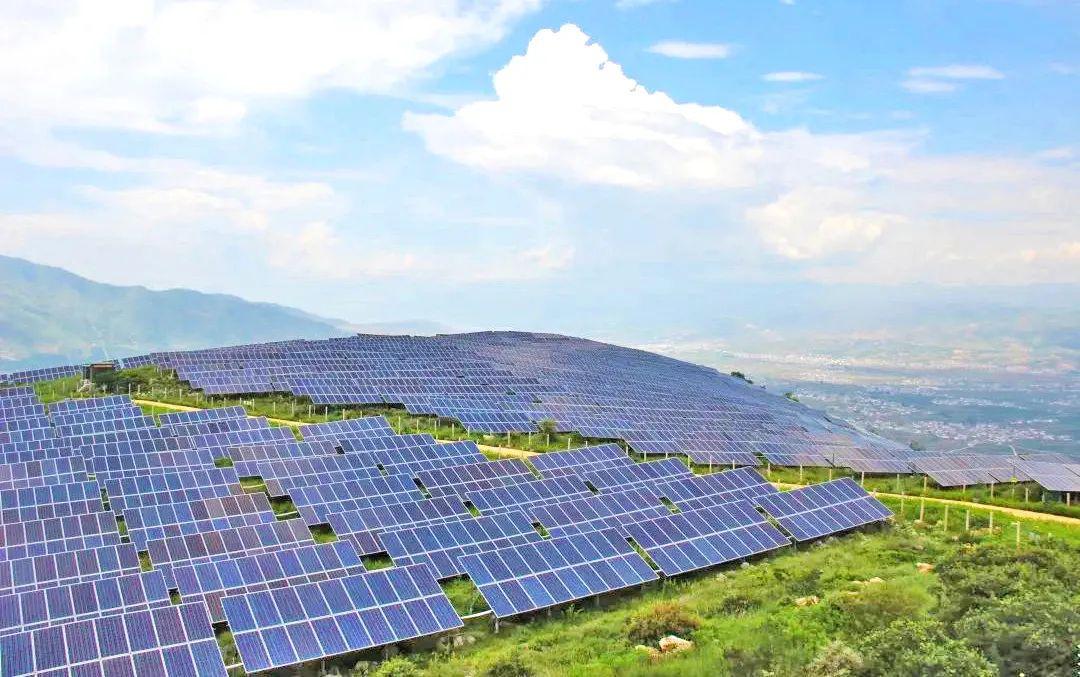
(661, 620)
(742, 376)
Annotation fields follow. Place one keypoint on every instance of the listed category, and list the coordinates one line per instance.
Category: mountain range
(49, 316)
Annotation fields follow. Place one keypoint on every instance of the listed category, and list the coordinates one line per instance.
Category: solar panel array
(530, 535)
(499, 382)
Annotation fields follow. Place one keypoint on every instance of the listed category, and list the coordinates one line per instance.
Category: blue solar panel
(371, 426)
(58, 534)
(21, 505)
(75, 566)
(42, 473)
(701, 491)
(171, 487)
(278, 450)
(701, 538)
(599, 512)
(440, 545)
(362, 527)
(175, 640)
(518, 496)
(461, 479)
(560, 462)
(185, 417)
(286, 626)
(210, 581)
(166, 553)
(107, 596)
(211, 514)
(622, 477)
(821, 509)
(539, 575)
(314, 503)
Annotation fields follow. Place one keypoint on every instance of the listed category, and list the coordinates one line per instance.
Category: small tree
(548, 426)
(791, 396)
(740, 375)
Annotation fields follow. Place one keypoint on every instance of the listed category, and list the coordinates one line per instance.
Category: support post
(922, 509)
(967, 521)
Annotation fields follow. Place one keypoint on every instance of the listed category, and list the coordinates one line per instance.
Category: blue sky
(575, 166)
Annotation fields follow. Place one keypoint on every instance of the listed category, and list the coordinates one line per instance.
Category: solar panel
(600, 456)
(595, 513)
(45, 472)
(208, 546)
(107, 596)
(285, 626)
(75, 566)
(210, 581)
(61, 500)
(440, 545)
(211, 514)
(362, 527)
(315, 502)
(185, 417)
(1051, 476)
(371, 426)
(700, 491)
(539, 575)
(461, 479)
(280, 450)
(696, 539)
(523, 494)
(58, 534)
(173, 640)
(622, 477)
(283, 474)
(171, 487)
(965, 470)
(821, 509)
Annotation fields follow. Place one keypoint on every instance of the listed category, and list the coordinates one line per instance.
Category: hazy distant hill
(50, 316)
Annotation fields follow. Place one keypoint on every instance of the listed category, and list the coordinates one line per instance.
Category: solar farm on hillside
(198, 553)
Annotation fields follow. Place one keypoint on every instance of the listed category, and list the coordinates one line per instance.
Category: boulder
(924, 567)
(673, 644)
(807, 601)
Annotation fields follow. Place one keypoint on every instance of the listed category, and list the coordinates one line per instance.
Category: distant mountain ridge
(49, 316)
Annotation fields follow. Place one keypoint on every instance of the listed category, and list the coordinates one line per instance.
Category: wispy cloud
(957, 72)
(792, 76)
(676, 49)
(945, 79)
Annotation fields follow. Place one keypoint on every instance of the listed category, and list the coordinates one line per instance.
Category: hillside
(51, 316)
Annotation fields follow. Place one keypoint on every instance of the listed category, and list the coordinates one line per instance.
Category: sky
(579, 166)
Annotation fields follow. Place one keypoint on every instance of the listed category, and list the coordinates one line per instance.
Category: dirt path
(522, 454)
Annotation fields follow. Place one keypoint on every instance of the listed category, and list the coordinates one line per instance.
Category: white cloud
(957, 72)
(565, 108)
(921, 86)
(792, 76)
(692, 50)
(184, 66)
(814, 222)
(944, 79)
(866, 207)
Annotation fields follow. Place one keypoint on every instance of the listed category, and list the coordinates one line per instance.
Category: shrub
(917, 648)
(835, 659)
(875, 606)
(660, 620)
(509, 666)
(398, 666)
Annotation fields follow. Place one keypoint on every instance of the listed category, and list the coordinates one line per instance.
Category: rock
(807, 601)
(652, 652)
(458, 641)
(875, 579)
(673, 644)
(923, 567)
